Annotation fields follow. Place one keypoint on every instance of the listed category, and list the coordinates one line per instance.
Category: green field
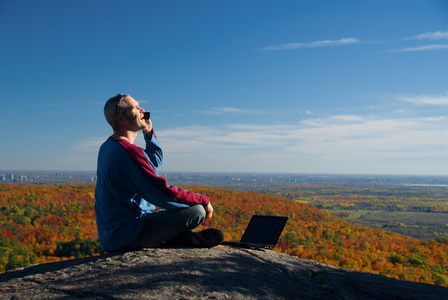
(421, 225)
(420, 212)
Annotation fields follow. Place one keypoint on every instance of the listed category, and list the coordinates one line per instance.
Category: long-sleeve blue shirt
(128, 188)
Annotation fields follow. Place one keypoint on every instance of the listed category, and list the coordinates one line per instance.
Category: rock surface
(218, 273)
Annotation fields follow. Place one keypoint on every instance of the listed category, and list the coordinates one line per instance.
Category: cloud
(428, 36)
(317, 44)
(222, 110)
(423, 48)
(435, 100)
(338, 143)
(90, 145)
(438, 35)
(347, 118)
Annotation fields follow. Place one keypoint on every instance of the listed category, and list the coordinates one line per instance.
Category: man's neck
(130, 136)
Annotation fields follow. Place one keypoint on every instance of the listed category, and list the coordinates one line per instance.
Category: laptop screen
(264, 230)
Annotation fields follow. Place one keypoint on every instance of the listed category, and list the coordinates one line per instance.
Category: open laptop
(262, 232)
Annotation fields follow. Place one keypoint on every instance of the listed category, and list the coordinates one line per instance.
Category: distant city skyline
(237, 180)
(334, 87)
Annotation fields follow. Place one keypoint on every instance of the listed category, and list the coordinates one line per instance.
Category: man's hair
(111, 108)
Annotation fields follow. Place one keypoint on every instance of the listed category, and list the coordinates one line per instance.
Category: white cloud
(436, 100)
(423, 48)
(317, 44)
(90, 145)
(347, 118)
(222, 110)
(339, 143)
(438, 35)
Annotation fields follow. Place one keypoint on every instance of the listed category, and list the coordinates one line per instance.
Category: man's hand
(148, 129)
(209, 211)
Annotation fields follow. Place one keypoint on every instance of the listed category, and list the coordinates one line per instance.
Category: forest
(45, 223)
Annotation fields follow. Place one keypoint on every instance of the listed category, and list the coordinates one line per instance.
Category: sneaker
(207, 238)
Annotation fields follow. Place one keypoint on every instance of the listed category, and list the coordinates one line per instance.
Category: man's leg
(164, 225)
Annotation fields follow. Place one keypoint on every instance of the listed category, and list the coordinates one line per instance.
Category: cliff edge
(218, 273)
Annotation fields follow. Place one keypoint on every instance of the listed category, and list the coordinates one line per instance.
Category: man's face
(133, 115)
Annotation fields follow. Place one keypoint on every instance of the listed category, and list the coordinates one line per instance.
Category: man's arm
(169, 192)
(153, 149)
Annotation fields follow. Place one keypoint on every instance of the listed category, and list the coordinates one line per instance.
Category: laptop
(262, 232)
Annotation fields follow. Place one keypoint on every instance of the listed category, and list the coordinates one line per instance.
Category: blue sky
(350, 87)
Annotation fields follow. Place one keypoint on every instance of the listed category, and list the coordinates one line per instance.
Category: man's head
(123, 110)
(113, 107)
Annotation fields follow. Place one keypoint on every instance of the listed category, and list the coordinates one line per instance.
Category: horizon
(242, 172)
(291, 87)
(235, 179)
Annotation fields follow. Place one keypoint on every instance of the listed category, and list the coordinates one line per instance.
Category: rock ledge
(217, 273)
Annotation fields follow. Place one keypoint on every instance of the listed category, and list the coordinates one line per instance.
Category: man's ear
(119, 119)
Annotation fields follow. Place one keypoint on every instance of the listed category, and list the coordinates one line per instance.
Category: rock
(218, 273)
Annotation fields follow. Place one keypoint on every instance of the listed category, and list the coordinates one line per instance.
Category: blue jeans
(164, 225)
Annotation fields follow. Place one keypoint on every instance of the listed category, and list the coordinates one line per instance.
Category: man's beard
(135, 124)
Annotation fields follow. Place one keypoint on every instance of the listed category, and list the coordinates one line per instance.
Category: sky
(304, 86)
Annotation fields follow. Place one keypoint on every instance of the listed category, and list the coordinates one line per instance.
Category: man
(129, 189)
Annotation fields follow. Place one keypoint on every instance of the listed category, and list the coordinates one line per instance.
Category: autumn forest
(45, 223)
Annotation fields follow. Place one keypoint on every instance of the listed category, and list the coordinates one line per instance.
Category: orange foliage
(36, 217)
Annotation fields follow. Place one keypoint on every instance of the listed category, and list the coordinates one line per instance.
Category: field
(419, 212)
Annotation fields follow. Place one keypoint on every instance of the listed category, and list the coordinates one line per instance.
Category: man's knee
(197, 215)
(199, 210)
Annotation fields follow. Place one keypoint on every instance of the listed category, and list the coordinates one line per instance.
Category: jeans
(164, 225)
